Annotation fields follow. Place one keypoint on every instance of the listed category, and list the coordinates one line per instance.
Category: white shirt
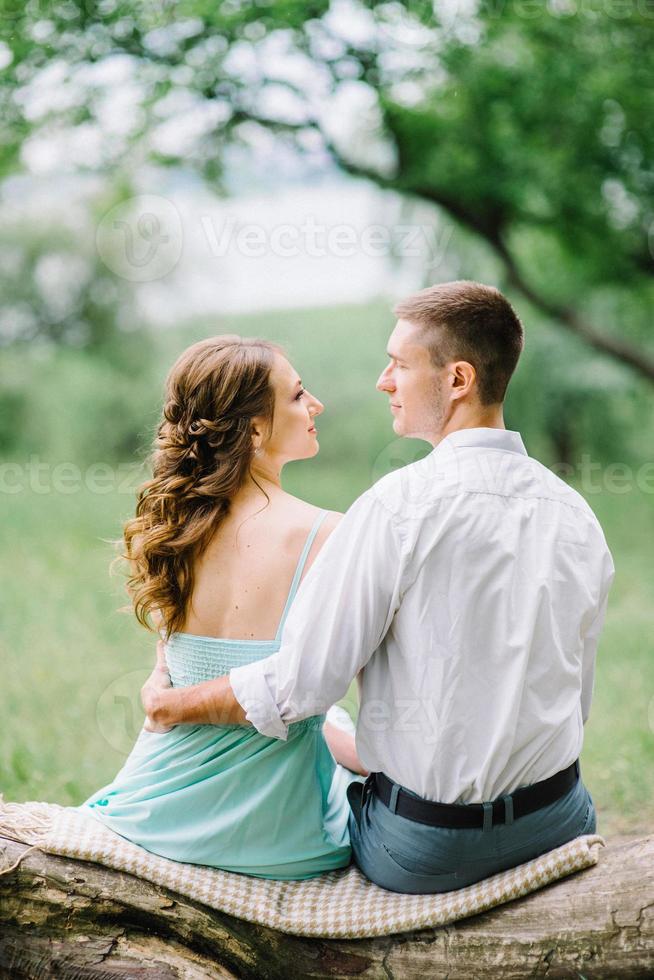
(471, 588)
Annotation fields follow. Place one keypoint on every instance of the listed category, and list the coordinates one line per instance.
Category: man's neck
(490, 417)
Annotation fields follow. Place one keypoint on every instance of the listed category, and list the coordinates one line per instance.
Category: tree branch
(489, 230)
(575, 323)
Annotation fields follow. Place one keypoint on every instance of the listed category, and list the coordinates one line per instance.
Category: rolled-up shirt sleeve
(339, 617)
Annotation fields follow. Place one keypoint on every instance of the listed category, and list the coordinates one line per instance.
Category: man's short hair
(467, 321)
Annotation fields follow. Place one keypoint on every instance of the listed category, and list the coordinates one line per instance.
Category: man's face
(414, 386)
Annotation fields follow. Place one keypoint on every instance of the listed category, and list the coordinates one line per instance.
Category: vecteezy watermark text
(44, 477)
(317, 240)
(41, 477)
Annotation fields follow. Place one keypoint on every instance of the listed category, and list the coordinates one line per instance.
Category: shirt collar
(485, 438)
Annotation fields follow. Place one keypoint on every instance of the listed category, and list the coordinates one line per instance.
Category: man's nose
(385, 381)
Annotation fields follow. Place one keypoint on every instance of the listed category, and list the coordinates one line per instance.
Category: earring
(257, 452)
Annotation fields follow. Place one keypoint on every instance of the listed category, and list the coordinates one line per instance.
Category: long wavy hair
(202, 457)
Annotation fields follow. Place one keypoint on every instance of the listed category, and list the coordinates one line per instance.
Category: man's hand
(209, 703)
(158, 681)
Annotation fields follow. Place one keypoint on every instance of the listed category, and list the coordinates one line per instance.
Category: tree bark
(73, 919)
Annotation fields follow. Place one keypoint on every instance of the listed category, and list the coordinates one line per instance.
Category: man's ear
(462, 378)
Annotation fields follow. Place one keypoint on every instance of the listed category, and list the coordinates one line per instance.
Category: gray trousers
(410, 857)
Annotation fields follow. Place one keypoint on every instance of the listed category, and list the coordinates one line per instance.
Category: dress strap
(300, 568)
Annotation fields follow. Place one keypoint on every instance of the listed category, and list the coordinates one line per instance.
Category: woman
(217, 551)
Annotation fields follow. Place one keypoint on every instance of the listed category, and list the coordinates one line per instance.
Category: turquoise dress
(225, 795)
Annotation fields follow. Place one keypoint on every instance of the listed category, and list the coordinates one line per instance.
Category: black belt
(524, 800)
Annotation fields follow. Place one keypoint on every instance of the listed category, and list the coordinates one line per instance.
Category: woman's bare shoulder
(301, 518)
(331, 522)
(303, 514)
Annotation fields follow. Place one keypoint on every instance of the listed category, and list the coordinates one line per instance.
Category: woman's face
(294, 434)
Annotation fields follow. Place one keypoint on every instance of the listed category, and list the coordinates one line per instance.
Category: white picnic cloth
(339, 904)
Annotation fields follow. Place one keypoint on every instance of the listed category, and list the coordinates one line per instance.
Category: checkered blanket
(339, 904)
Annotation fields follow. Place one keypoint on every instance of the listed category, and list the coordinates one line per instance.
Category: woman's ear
(256, 434)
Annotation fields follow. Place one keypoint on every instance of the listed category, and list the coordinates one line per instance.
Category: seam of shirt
(518, 496)
(495, 493)
(493, 449)
(407, 554)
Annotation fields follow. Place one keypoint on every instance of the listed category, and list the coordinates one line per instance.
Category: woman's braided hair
(201, 459)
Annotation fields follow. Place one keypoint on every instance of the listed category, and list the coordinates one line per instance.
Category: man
(468, 591)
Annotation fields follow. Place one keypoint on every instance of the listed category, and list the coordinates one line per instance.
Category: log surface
(80, 921)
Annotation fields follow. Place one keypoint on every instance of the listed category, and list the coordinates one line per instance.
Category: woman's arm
(342, 747)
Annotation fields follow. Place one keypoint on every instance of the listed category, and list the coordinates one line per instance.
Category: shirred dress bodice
(193, 659)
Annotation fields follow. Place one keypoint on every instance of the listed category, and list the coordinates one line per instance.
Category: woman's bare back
(243, 577)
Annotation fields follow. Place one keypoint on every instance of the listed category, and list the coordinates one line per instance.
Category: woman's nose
(316, 407)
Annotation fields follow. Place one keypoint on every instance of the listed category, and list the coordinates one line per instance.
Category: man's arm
(338, 619)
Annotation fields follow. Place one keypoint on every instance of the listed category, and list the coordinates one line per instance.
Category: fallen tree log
(80, 921)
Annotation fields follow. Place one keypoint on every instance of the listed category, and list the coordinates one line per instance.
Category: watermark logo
(118, 712)
(410, 495)
(141, 239)
(397, 454)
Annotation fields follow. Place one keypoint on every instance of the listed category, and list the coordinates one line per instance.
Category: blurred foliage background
(520, 133)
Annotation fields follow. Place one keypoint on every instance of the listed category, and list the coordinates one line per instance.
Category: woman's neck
(267, 470)
(255, 491)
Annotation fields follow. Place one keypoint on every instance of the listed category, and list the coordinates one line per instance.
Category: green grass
(73, 665)
(618, 751)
